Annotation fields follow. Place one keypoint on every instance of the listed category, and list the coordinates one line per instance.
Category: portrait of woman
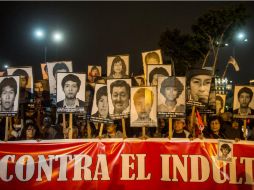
(171, 88)
(118, 68)
(93, 73)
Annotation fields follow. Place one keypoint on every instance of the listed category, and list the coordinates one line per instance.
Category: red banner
(124, 164)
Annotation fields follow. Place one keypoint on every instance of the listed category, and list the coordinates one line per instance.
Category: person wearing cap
(200, 82)
(171, 89)
(178, 129)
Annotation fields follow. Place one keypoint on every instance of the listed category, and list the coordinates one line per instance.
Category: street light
(57, 37)
(39, 33)
(6, 66)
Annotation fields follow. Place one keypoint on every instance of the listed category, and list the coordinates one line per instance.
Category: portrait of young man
(155, 71)
(119, 97)
(9, 94)
(199, 82)
(118, 67)
(53, 69)
(70, 92)
(243, 101)
(143, 107)
(100, 109)
(171, 95)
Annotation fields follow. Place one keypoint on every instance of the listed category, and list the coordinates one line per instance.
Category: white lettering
(26, 161)
(4, 167)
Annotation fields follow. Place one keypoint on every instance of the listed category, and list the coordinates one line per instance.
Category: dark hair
(118, 59)
(8, 81)
(23, 133)
(219, 98)
(102, 91)
(21, 72)
(94, 68)
(157, 70)
(171, 82)
(60, 66)
(141, 92)
(120, 83)
(213, 118)
(153, 55)
(195, 72)
(73, 78)
(225, 146)
(245, 90)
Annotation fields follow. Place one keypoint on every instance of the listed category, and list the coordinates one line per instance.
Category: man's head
(245, 95)
(152, 58)
(60, 67)
(118, 66)
(120, 95)
(179, 125)
(171, 88)
(143, 102)
(23, 77)
(8, 90)
(155, 73)
(200, 83)
(71, 85)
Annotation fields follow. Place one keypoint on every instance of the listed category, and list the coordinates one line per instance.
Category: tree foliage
(211, 31)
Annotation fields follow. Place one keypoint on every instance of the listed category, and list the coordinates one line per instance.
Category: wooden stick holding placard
(6, 128)
(64, 126)
(244, 128)
(144, 136)
(192, 121)
(170, 128)
(89, 130)
(124, 129)
(70, 126)
(101, 130)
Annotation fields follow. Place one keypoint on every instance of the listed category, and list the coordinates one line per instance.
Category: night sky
(95, 30)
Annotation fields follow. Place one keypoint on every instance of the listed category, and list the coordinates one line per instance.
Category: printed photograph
(155, 71)
(225, 150)
(44, 71)
(9, 90)
(220, 103)
(143, 107)
(71, 92)
(171, 94)
(119, 97)
(243, 106)
(118, 67)
(94, 72)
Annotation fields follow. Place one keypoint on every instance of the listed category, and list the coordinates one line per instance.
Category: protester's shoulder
(60, 103)
(81, 103)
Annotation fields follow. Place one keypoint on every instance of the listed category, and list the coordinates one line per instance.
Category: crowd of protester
(37, 119)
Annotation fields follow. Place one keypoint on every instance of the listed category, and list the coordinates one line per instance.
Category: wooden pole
(89, 131)
(64, 126)
(192, 121)
(170, 130)
(244, 128)
(6, 128)
(70, 126)
(101, 130)
(143, 132)
(124, 129)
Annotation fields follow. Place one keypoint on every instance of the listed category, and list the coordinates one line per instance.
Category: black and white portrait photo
(94, 72)
(220, 103)
(143, 107)
(9, 91)
(100, 109)
(55, 67)
(225, 150)
(199, 82)
(243, 106)
(171, 95)
(155, 71)
(71, 92)
(119, 97)
(26, 82)
(118, 67)
(44, 71)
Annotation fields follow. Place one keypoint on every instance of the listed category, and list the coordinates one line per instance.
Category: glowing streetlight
(57, 37)
(6, 66)
(39, 33)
